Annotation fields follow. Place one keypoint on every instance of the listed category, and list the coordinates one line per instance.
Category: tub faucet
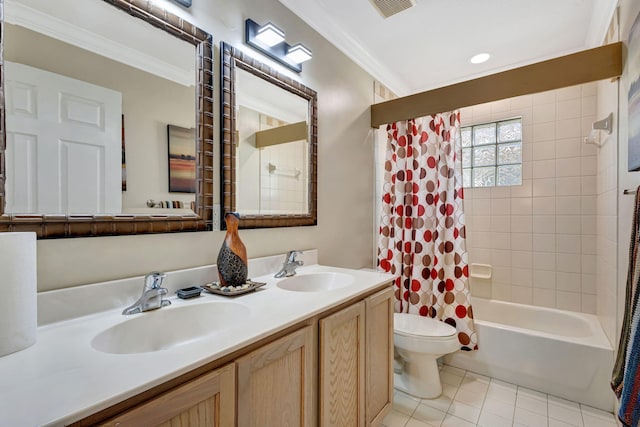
(289, 265)
(152, 292)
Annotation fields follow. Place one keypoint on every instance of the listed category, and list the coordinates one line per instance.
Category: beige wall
(345, 171)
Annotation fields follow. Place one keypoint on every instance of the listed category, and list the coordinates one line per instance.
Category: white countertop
(62, 378)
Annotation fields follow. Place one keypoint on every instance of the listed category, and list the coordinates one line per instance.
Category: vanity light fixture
(269, 39)
(270, 35)
(299, 53)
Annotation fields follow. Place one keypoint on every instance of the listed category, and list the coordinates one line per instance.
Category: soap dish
(230, 291)
(191, 292)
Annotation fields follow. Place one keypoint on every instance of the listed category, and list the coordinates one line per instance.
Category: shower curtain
(422, 231)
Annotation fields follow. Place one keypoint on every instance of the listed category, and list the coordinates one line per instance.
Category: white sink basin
(316, 282)
(168, 327)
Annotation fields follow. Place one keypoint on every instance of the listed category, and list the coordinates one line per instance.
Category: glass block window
(492, 154)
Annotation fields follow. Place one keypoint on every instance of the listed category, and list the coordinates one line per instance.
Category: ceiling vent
(388, 8)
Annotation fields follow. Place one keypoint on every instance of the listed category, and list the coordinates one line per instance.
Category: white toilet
(419, 341)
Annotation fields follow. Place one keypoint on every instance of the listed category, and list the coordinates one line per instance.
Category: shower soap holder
(480, 271)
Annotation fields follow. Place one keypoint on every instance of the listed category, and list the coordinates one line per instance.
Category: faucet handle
(154, 280)
(291, 256)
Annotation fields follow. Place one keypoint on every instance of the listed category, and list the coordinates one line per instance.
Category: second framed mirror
(269, 144)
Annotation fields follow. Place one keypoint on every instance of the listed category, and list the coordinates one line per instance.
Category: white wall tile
(521, 224)
(544, 279)
(569, 128)
(571, 92)
(568, 224)
(568, 282)
(568, 147)
(544, 97)
(544, 261)
(544, 206)
(544, 297)
(568, 186)
(568, 301)
(543, 113)
(545, 169)
(569, 109)
(544, 150)
(543, 132)
(541, 236)
(570, 166)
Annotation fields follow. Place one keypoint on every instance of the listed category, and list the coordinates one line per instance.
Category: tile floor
(470, 400)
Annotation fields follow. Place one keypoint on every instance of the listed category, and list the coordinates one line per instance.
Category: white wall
(628, 10)
(345, 170)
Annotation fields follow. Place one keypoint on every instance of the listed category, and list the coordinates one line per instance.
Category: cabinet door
(379, 351)
(276, 383)
(208, 400)
(342, 368)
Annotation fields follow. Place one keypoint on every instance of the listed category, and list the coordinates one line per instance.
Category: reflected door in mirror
(63, 144)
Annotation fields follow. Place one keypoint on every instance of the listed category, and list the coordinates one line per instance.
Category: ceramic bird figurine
(232, 258)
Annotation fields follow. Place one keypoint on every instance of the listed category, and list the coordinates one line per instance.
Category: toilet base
(420, 376)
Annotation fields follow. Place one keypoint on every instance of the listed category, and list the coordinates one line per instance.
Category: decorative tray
(230, 291)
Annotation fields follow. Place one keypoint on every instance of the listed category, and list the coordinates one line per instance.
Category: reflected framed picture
(182, 159)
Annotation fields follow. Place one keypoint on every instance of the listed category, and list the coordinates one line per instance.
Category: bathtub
(563, 353)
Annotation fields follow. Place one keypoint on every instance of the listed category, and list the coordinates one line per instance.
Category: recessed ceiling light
(480, 58)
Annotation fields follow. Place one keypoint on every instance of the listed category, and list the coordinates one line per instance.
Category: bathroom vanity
(286, 354)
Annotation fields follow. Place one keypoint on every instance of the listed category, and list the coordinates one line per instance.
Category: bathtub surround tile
(568, 301)
(568, 282)
(522, 259)
(544, 261)
(544, 297)
(522, 294)
(544, 224)
(569, 224)
(544, 187)
(568, 243)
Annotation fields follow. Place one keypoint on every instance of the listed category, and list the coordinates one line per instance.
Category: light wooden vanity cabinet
(330, 370)
(276, 383)
(355, 360)
(208, 400)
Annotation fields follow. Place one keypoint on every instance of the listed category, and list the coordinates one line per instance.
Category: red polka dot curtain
(422, 231)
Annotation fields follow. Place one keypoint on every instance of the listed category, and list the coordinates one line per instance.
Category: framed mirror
(93, 159)
(269, 144)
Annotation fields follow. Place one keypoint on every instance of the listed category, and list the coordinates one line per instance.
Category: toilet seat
(415, 326)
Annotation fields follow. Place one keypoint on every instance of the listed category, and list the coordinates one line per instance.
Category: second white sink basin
(316, 282)
(167, 327)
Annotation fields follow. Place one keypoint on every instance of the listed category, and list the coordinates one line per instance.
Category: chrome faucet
(152, 292)
(289, 265)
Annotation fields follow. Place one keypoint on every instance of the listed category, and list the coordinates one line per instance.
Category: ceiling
(429, 45)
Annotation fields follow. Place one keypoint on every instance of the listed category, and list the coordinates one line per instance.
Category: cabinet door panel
(379, 350)
(275, 383)
(342, 369)
(206, 401)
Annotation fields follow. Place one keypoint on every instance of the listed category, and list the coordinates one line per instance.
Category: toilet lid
(411, 324)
